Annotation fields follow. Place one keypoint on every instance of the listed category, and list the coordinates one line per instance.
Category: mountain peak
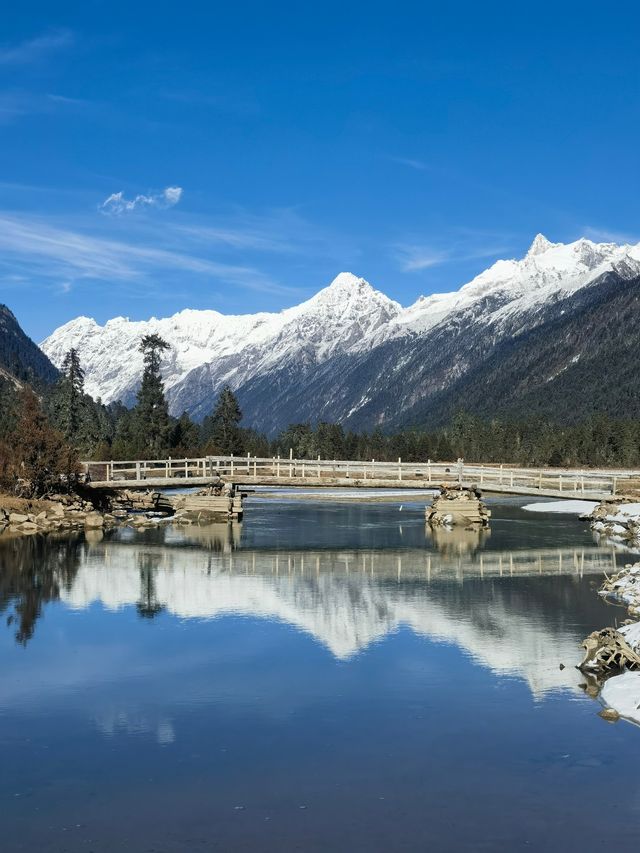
(349, 288)
(347, 281)
(540, 245)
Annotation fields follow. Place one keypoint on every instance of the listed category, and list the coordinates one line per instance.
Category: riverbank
(26, 516)
(618, 521)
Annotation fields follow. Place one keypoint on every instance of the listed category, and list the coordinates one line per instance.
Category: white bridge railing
(277, 470)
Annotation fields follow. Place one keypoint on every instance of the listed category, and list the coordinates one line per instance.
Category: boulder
(17, 518)
(93, 520)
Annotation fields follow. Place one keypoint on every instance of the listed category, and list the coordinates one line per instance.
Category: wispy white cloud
(116, 204)
(16, 104)
(413, 258)
(277, 231)
(44, 252)
(605, 235)
(35, 49)
(464, 245)
(419, 165)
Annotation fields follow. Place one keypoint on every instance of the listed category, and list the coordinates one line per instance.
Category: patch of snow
(567, 507)
(622, 693)
(626, 513)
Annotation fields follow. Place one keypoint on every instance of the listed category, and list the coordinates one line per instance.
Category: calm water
(323, 676)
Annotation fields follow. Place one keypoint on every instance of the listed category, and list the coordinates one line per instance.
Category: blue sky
(238, 156)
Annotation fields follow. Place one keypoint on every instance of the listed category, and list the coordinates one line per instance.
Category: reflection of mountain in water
(519, 613)
(490, 606)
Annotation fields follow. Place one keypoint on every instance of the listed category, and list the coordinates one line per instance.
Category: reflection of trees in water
(34, 569)
(148, 605)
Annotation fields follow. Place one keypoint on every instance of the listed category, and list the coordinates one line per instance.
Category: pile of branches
(606, 651)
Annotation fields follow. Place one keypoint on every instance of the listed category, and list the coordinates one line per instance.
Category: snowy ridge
(548, 270)
(347, 317)
(339, 318)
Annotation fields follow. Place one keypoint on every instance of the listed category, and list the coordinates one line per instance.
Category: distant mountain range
(555, 333)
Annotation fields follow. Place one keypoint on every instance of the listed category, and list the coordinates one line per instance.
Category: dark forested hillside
(582, 359)
(19, 355)
(569, 360)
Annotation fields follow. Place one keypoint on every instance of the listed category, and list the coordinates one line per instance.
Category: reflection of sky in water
(181, 690)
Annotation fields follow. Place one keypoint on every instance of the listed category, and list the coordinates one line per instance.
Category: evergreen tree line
(65, 424)
(599, 441)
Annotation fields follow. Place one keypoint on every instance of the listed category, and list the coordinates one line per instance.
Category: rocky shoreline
(59, 513)
(63, 513)
(612, 655)
(618, 520)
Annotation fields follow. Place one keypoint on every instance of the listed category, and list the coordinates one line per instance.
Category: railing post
(248, 461)
(614, 486)
(290, 462)
(137, 470)
(255, 468)
(232, 464)
(429, 469)
(399, 468)
(319, 473)
(186, 469)
(501, 466)
(278, 467)
(110, 470)
(170, 472)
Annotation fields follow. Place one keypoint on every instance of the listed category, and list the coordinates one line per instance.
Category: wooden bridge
(276, 471)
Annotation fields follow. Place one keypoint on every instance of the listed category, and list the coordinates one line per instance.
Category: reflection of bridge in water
(457, 554)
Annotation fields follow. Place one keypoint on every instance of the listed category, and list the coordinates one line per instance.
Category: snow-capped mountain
(350, 353)
(342, 317)
(513, 287)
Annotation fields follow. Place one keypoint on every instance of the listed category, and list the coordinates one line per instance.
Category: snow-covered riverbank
(622, 692)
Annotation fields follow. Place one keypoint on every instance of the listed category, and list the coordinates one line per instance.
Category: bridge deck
(251, 471)
(335, 482)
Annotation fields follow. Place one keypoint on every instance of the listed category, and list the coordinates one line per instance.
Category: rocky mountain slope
(20, 358)
(353, 355)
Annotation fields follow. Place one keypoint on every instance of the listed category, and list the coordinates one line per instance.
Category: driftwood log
(607, 650)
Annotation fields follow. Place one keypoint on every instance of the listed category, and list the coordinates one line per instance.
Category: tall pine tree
(151, 415)
(221, 429)
(68, 397)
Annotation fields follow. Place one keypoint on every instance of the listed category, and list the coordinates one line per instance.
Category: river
(324, 676)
